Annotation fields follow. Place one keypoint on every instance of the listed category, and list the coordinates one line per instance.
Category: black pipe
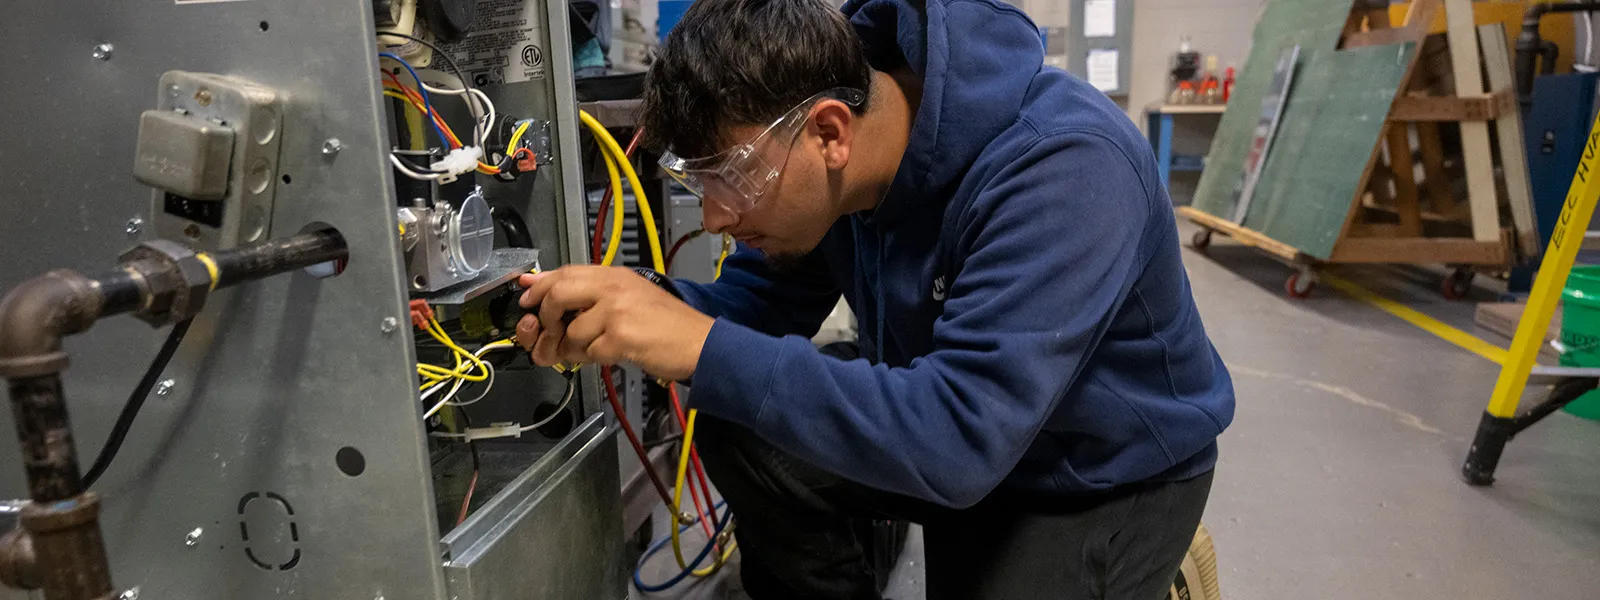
(1531, 47)
(280, 256)
(60, 548)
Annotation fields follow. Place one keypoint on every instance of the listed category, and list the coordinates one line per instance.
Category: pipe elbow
(36, 314)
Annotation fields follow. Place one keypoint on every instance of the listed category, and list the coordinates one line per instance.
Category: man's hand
(610, 315)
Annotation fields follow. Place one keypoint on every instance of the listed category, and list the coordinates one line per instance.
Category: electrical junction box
(210, 148)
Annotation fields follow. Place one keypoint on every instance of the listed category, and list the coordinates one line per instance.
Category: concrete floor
(1339, 477)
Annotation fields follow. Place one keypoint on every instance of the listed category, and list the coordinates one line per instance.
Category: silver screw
(102, 51)
(129, 594)
(332, 146)
(165, 387)
(389, 324)
(135, 225)
(193, 537)
(173, 91)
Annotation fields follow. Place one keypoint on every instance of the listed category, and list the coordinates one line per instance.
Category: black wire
(407, 160)
(447, 60)
(130, 409)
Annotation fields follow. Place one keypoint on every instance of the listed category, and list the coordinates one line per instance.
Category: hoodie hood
(970, 94)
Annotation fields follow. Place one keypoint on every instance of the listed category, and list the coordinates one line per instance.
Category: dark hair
(745, 62)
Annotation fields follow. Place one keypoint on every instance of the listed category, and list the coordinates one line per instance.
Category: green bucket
(1580, 332)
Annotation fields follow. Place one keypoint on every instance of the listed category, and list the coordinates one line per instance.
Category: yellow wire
(516, 136)
(677, 488)
(610, 145)
(616, 212)
(437, 331)
(727, 244)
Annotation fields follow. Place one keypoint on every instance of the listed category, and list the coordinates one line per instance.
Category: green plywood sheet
(1328, 131)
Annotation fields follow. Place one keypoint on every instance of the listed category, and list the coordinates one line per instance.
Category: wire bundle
(699, 494)
(478, 104)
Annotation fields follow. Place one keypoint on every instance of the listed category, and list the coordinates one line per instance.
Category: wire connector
(495, 430)
(457, 163)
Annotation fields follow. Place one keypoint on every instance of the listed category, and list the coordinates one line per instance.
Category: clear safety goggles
(736, 177)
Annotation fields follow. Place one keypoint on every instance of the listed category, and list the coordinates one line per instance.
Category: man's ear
(833, 123)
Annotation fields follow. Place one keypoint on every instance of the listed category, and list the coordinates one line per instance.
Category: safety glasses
(735, 178)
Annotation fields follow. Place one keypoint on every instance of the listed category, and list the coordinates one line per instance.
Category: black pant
(797, 540)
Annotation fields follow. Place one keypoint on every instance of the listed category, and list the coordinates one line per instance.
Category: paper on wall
(1102, 69)
(1099, 18)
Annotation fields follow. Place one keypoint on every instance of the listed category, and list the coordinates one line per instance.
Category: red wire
(678, 245)
(633, 439)
(596, 253)
(466, 502)
(694, 454)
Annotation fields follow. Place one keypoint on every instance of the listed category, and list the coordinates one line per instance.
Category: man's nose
(715, 217)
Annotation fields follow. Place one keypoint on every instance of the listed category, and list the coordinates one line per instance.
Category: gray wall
(1220, 27)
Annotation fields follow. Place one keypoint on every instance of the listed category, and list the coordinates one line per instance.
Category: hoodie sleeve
(1050, 251)
(752, 294)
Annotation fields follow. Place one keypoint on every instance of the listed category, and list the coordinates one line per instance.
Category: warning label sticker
(504, 46)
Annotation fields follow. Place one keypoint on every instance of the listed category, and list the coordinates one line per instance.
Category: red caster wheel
(1457, 285)
(1300, 284)
(1201, 239)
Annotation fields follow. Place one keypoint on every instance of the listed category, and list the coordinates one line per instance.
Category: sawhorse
(1501, 420)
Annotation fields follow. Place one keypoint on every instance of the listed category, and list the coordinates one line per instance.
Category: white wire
(572, 390)
(474, 97)
(428, 415)
(488, 383)
(405, 169)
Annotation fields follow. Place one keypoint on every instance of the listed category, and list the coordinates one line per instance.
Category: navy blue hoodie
(1026, 319)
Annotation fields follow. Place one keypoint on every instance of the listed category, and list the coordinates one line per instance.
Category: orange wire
(416, 100)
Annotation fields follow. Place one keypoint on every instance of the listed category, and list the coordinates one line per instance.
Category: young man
(1034, 386)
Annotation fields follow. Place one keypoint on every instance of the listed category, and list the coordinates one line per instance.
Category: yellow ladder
(1501, 420)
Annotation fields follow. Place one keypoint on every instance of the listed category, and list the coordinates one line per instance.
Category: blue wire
(711, 545)
(421, 89)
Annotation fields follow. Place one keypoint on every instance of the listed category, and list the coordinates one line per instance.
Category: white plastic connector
(496, 430)
(458, 162)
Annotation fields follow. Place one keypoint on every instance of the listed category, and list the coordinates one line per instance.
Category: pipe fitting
(18, 564)
(176, 280)
(36, 314)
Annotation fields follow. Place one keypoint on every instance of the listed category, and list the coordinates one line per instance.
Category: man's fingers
(527, 331)
(546, 350)
(526, 281)
(583, 330)
(606, 351)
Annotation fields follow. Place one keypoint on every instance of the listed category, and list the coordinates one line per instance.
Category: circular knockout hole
(287, 179)
(350, 461)
(328, 269)
(265, 25)
(558, 427)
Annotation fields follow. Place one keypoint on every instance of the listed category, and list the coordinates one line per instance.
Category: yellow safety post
(1500, 420)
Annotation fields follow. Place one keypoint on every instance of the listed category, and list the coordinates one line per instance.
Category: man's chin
(784, 262)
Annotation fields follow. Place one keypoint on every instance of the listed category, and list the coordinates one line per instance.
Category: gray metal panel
(276, 376)
(554, 534)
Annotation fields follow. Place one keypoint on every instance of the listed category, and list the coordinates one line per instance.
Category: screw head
(102, 51)
(193, 537)
(129, 594)
(389, 324)
(165, 387)
(332, 146)
(203, 97)
(134, 226)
